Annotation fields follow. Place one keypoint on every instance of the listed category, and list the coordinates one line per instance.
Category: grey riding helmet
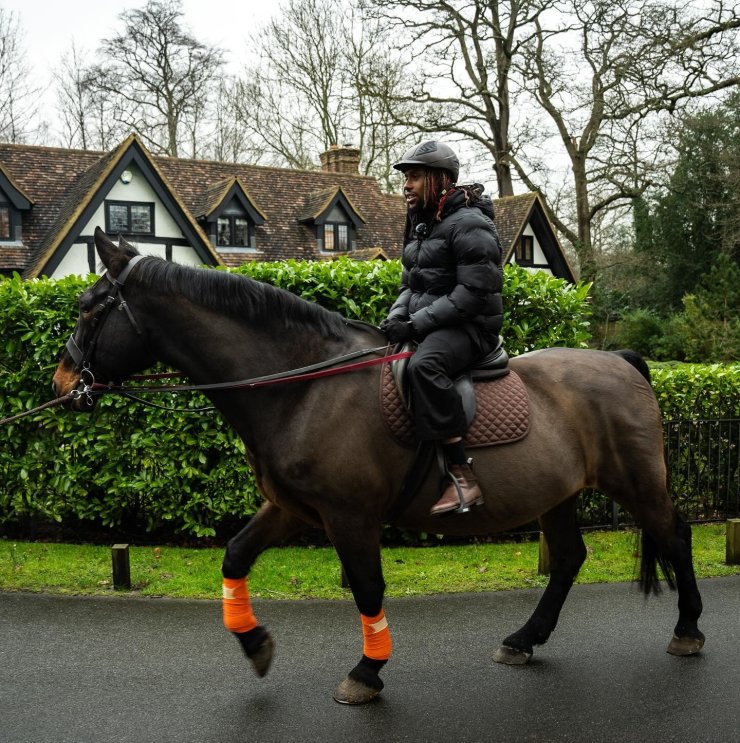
(430, 154)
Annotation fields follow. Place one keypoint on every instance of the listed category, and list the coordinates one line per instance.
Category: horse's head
(107, 344)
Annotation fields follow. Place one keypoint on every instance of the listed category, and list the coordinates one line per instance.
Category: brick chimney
(344, 159)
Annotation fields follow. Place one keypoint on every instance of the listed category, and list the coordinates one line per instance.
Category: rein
(301, 374)
(304, 373)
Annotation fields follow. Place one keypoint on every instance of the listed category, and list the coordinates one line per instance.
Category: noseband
(83, 357)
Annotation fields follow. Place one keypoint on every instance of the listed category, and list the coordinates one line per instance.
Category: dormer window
(230, 217)
(5, 223)
(13, 204)
(525, 250)
(234, 232)
(334, 219)
(336, 236)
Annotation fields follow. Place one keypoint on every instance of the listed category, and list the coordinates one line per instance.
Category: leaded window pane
(118, 218)
(4, 223)
(329, 237)
(342, 237)
(241, 232)
(141, 219)
(224, 231)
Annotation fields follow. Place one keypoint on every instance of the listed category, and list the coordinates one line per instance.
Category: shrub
(696, 391)
(539, 310)
(132, 467)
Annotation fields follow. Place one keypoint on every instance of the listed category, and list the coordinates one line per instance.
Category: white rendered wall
(139, 189)
(538, 257)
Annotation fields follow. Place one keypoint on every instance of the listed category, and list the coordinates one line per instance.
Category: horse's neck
(210, 347)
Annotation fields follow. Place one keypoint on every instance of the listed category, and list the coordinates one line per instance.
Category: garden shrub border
(131, 467)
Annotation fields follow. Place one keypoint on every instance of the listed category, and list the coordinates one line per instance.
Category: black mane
(239, 296)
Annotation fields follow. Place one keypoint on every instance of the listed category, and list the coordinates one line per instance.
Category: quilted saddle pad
(501, 414)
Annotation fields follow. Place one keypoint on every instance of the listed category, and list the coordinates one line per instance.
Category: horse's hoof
(262, 657)
(511, 656)
(352, 691)
(685, 645)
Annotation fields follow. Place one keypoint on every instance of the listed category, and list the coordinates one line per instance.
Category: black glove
(398, 330)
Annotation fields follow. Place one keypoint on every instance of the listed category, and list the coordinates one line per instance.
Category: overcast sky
(50, 26)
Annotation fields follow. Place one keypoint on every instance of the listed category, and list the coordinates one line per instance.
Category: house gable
(521, 217)
(89, 196)
(319, 207)
(229, 216)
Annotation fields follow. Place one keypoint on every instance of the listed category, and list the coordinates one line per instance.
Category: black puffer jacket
(452, 276)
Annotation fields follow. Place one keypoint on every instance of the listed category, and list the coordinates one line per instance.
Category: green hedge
(129, 466)
(697, 391)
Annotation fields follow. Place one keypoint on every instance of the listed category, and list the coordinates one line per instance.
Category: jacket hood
(470, 196)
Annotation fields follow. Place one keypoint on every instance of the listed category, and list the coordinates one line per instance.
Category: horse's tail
(651, 558)
(651, 555)
(636, 360)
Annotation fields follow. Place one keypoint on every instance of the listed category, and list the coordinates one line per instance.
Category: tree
(18, 95)
(463, 82)
(634, 61)
(157, 77)
(229, 139)
(591, 82)
(309, 87)
(87, 120)
(695, 216)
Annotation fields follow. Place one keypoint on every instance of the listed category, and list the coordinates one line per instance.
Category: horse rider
(449, 302)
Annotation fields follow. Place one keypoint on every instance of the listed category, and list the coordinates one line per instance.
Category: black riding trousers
(435, 405)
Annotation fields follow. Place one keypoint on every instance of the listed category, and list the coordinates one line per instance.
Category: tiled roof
(281, 195)
(511, 214)
(59, 182)
(14, 257)
(48, 176)
(14, 184)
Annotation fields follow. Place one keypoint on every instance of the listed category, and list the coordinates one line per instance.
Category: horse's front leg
(357, 542)
(268, 527)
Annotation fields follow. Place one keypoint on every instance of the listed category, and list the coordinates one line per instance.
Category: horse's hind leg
(666, 540)
(567, 554)
(268, 527)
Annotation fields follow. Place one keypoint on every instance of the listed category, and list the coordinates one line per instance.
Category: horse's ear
(126, 247)
(114, 257)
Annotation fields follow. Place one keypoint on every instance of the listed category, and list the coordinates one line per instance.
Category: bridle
(82, 358)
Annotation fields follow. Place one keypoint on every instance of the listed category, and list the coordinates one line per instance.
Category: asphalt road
(138, 670)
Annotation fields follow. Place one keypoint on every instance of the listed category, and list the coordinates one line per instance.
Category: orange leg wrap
(376, 637)
(238, 615)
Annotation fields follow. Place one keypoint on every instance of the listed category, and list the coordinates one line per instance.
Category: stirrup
(446, 475)
(462, 506)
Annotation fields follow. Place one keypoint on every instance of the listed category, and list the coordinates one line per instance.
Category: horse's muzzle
(68, 382)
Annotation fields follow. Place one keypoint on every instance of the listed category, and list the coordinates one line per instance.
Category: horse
(322, 456)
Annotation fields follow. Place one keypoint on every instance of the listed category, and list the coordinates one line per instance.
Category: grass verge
(301, 572)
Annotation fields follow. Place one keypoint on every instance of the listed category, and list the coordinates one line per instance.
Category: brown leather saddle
(494, 399)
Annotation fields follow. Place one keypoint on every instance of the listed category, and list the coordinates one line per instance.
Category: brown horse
(322, 455)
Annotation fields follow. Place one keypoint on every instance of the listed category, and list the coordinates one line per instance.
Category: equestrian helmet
(430, 154)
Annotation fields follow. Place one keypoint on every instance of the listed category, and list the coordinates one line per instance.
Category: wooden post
(543, 565)
(121, 567)
(732, 552)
